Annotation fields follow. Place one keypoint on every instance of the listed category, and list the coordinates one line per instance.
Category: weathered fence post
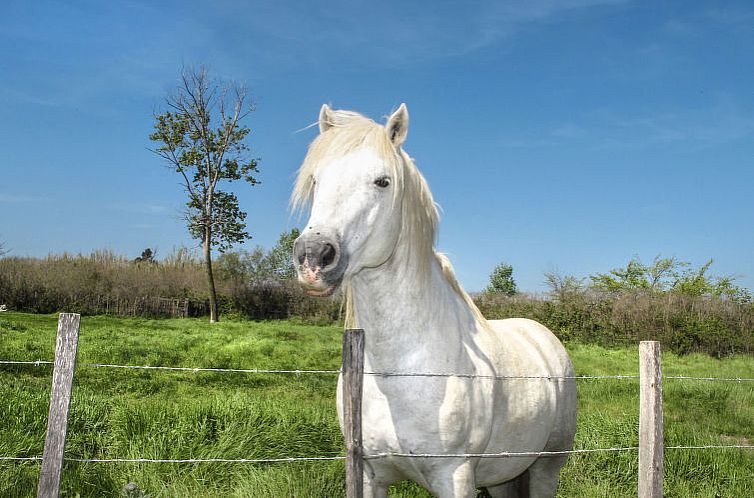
(651, 446)
(353, 383)
(66, 345)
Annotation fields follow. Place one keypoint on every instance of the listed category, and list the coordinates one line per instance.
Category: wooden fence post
(651, 445)
(353, 383)
(66, 345)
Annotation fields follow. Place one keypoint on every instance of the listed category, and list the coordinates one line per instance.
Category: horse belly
(531, 414)
(422, 416)
(524, 424)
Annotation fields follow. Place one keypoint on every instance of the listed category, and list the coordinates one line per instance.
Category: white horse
(371, 233)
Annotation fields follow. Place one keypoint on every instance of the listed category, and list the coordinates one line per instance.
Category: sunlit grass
(158, 414)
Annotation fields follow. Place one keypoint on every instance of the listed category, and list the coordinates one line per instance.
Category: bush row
(103, 283)
(683, 324)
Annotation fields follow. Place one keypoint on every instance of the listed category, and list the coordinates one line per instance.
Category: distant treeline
(259, 285)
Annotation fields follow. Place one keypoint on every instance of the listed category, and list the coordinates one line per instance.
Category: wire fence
(507, 454)
(378, 374)
(524, 454)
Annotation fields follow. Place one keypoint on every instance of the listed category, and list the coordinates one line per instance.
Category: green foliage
(501, 281)
(279, 260)
(258, 266)
(683, 324)
(240, 267)
(669, 275)
(157, 414)
(637, 276)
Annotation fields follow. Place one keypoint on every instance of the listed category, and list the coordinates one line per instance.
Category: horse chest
(423, 415)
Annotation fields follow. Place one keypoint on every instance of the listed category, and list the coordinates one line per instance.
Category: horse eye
(382, 181)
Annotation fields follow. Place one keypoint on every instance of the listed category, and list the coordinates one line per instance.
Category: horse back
(529, 348)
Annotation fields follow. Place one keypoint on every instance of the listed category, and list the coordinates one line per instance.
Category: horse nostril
(299, 251)
(328, 255)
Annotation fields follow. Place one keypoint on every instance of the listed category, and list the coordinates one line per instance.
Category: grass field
(157, 414)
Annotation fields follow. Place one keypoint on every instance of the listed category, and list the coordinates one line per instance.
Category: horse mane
(350, 131)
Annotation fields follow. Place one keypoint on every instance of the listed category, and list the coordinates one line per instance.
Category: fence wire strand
(205, 460)
(721, 379)
(378, 374)
(499, 377)
(521, 454)
(505, 454)
(202, 369)
(179, 369)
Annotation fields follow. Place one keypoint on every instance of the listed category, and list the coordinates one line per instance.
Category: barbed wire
(513, 454)
(205, 460)
(180, 369)
(499, 377)
(35, 362)
(378, 374)
(202, 369)
(715, 379)
(712, 447)
(184, 460)
(506, 454)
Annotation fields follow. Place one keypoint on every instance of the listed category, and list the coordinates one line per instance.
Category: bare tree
(202, 139)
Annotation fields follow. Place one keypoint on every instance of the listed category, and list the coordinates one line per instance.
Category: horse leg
(515, 488)
(372, 490)
(544, 475)
(372, 487)
(457, 484)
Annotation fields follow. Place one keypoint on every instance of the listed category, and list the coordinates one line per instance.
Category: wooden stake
(60, 400)
(651, 446)
(353, 385)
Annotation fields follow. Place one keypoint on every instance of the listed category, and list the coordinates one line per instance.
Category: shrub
(105, 283)
(684, 324)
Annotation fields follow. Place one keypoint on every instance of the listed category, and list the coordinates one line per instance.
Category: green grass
(158, 414)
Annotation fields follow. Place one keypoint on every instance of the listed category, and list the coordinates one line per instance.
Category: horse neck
(409, 311)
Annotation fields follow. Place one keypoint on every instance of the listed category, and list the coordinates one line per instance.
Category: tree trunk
(210, 277)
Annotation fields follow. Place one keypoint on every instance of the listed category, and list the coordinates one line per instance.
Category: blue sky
(560, 136)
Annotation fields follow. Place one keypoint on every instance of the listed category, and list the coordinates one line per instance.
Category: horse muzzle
(319, 262)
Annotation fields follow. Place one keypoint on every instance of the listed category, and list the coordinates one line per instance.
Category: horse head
(354, 180)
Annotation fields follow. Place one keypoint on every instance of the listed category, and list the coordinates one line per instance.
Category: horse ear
(326, 118)
(397, 126)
